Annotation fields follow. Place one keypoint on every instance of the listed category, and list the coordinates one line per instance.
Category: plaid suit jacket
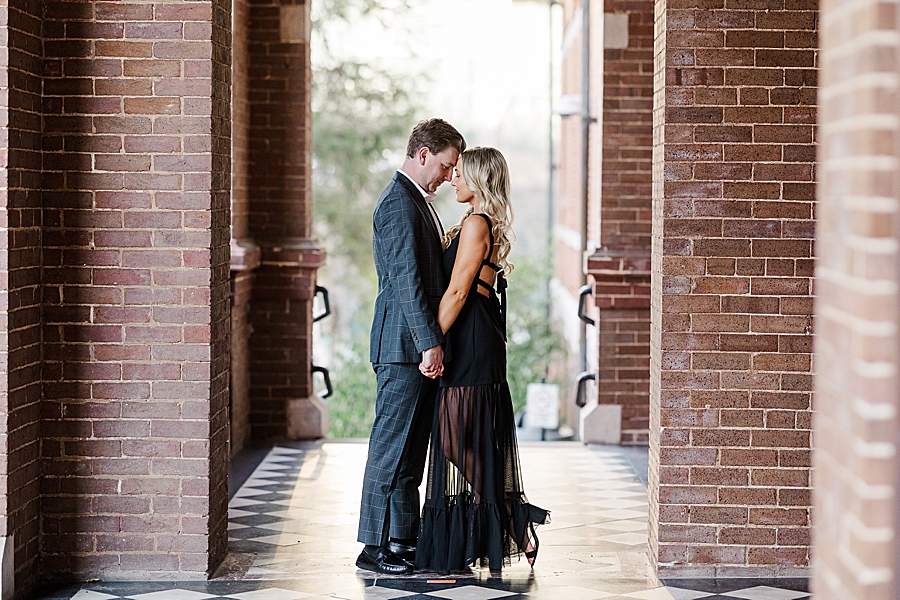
(408, 258)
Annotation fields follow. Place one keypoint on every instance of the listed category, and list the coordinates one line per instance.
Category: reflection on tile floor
(292, 531)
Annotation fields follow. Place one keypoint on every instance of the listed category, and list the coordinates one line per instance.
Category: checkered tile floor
(292, 531)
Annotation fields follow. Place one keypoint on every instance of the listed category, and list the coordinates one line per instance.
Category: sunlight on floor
(292, 536)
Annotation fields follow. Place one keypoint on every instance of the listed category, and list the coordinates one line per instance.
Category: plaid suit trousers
(398, 446)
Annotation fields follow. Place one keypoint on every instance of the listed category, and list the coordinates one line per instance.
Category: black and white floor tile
(292, 531)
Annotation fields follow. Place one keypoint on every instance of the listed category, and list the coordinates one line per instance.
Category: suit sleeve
(396, 237)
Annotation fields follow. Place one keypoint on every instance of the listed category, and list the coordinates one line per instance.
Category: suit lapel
(421, 204)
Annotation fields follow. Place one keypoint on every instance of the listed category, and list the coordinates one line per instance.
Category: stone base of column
(307, 418)
(731, 571)
(7, 567)
(601, 424)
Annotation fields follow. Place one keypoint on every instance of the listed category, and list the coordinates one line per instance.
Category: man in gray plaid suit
(405, 335)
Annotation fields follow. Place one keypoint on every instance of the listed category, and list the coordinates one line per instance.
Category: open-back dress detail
(476, 512)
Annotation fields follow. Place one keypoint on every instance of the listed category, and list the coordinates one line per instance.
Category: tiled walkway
(293, 531)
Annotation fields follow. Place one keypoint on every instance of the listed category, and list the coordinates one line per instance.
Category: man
(408, 258)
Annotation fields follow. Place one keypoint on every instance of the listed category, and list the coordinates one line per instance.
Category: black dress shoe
(404, 551)
(384, 561)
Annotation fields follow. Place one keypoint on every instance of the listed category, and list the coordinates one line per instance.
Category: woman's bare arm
(474, 242)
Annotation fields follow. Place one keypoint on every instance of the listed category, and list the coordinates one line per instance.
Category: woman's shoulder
(478, 222)
(475, 234)
(476, 225)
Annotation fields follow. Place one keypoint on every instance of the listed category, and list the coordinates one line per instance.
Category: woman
(476, 512)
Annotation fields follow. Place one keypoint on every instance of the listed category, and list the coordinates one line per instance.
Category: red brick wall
(624, 369)
(858, 307)
(731, 336)
(241, 291)
(115, 270)
(245, 252)
(136, 217)
(279, 136)
(219, 304)
(280, 219)
(627, 89)
(620, 266)
(240, 127)
(20, 387)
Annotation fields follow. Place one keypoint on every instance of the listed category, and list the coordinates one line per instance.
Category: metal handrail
(583, 378)
(583, 293)
(324, 292)
(329, 390)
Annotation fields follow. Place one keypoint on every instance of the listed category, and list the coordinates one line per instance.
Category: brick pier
(126, 315)
(856, 423)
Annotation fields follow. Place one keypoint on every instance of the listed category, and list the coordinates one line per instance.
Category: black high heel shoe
(531, 555)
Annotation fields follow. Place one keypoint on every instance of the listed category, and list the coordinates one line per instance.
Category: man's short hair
(435, 134)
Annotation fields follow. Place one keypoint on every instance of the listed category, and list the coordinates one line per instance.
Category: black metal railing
(583, 293)
(580, 399)
(327, 311)
(329, 390)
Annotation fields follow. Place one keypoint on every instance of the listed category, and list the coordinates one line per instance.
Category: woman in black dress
(475, 511)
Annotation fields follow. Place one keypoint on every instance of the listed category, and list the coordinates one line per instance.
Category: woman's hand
(432, 365)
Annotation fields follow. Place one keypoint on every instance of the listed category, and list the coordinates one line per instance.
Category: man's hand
(432, 365)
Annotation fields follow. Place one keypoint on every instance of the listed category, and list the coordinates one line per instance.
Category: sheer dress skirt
(476, 512)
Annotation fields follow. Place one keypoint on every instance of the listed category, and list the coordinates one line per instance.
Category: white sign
(542, 406)
(568, 105)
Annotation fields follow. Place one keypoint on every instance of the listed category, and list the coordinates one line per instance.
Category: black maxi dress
(476, 512)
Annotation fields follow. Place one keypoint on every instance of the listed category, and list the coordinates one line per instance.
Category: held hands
(432, 365)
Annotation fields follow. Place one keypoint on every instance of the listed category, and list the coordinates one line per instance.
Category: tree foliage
(533, 344)
(325, 12)
(352, 408)
(361, 114)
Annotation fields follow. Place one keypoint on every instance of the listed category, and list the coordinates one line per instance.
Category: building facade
(158, 274)
(705, 224)
(156, 211)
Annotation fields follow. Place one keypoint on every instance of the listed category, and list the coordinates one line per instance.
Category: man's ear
(421, 154)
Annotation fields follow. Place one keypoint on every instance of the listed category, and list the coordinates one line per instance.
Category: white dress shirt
(429, 198)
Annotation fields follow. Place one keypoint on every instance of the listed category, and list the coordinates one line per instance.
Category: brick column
(136, 262)
(244, 261)
(731, 334)
(858, 308)
(620, 267)
(280, 221)
(244, 251)
(20, 315)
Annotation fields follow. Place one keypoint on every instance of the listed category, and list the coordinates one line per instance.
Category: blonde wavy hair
(486, 174)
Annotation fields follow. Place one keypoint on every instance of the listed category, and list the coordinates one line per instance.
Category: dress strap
(501, 280)
(501, 288)
(490, 231)
(486, 261)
